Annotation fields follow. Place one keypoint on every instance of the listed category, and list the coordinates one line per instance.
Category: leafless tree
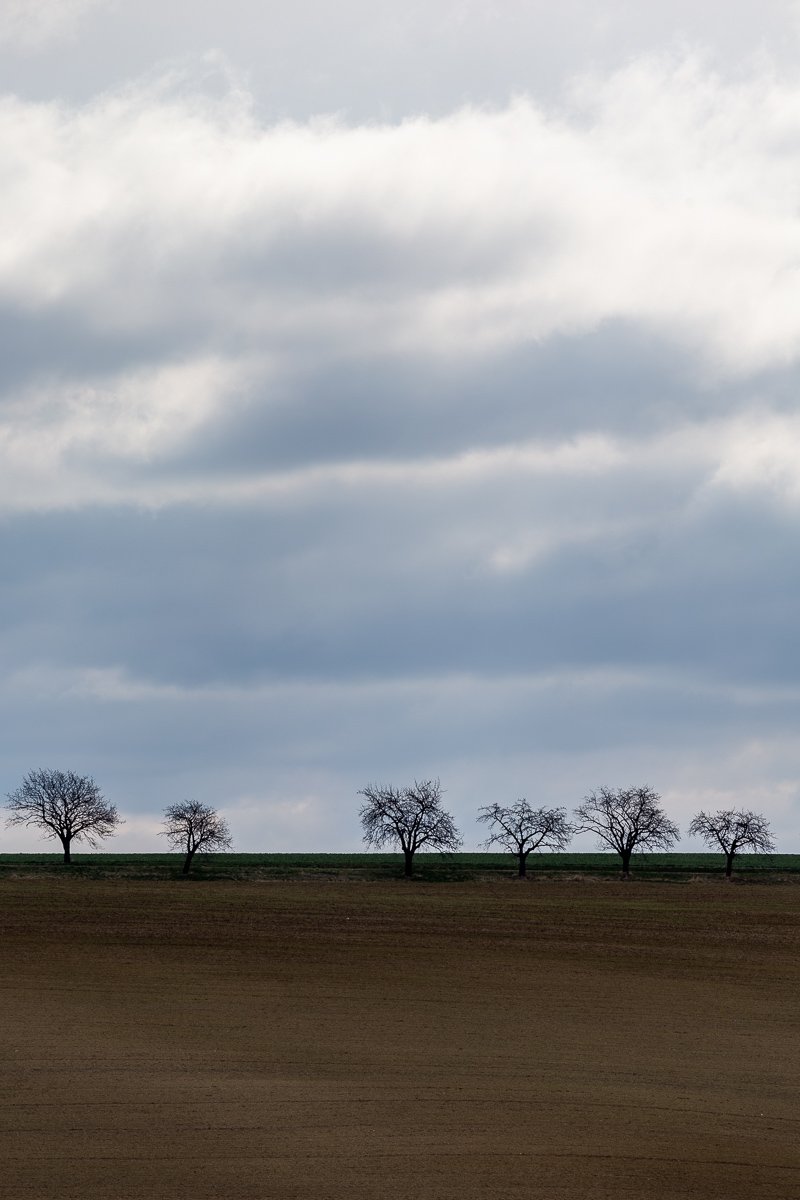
(66, 806)
(521, 829)
(733, 830)
(195, 828)
(412, 817)
(627, 819)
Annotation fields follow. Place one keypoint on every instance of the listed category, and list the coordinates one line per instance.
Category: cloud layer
(462, 445)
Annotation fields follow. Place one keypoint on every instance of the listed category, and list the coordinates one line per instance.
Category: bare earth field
(561, 1038)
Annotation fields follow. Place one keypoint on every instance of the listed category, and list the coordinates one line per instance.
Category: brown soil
(544, 1039)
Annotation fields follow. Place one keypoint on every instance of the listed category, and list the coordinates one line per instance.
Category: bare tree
(66, 806)
(412, 817)
(521, 829)
(733, 830)
(195, 828)
(626, 820)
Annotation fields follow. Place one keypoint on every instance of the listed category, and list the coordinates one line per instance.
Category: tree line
(71, 807)
(624, 820)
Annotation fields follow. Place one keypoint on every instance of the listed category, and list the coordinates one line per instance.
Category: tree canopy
(521, 829)
(195, 828)
(625, 820)
(733, 830)
(411, 817)
(66, 806)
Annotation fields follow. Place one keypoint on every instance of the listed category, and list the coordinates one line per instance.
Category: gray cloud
(373, 60)
(341, 449)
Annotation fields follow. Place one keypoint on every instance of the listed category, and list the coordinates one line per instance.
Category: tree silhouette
(627, 819)
(733, 830)
(411, 817)
(195, 828)
(521, 829)
(66, 806)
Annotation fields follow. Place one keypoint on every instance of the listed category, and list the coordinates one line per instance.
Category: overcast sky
(395, 391)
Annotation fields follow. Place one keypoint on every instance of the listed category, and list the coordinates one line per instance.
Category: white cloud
(299, 821)
(666, 196)
(77, 447)
(53, 446)
(138, 835)
(760, 453)
(59, 444)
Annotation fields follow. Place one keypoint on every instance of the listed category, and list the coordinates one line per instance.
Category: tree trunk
(65, 842)
(408, 864)
(523, 863)
(187, 862)
(729, 864)
(626, 864)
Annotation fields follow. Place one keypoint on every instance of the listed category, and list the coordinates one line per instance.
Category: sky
(392, 392)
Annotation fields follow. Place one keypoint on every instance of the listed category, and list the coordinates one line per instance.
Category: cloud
(284, 760)
(461, 445)
(29, 24)
(66, 444)
(183, 282)
(760, 453)
(666, 196)
(372, 61)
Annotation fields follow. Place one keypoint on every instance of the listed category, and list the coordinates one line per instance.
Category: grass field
(300, 1038)
(428, 867)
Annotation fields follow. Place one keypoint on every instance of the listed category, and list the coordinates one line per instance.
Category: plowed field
(555, 1039)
